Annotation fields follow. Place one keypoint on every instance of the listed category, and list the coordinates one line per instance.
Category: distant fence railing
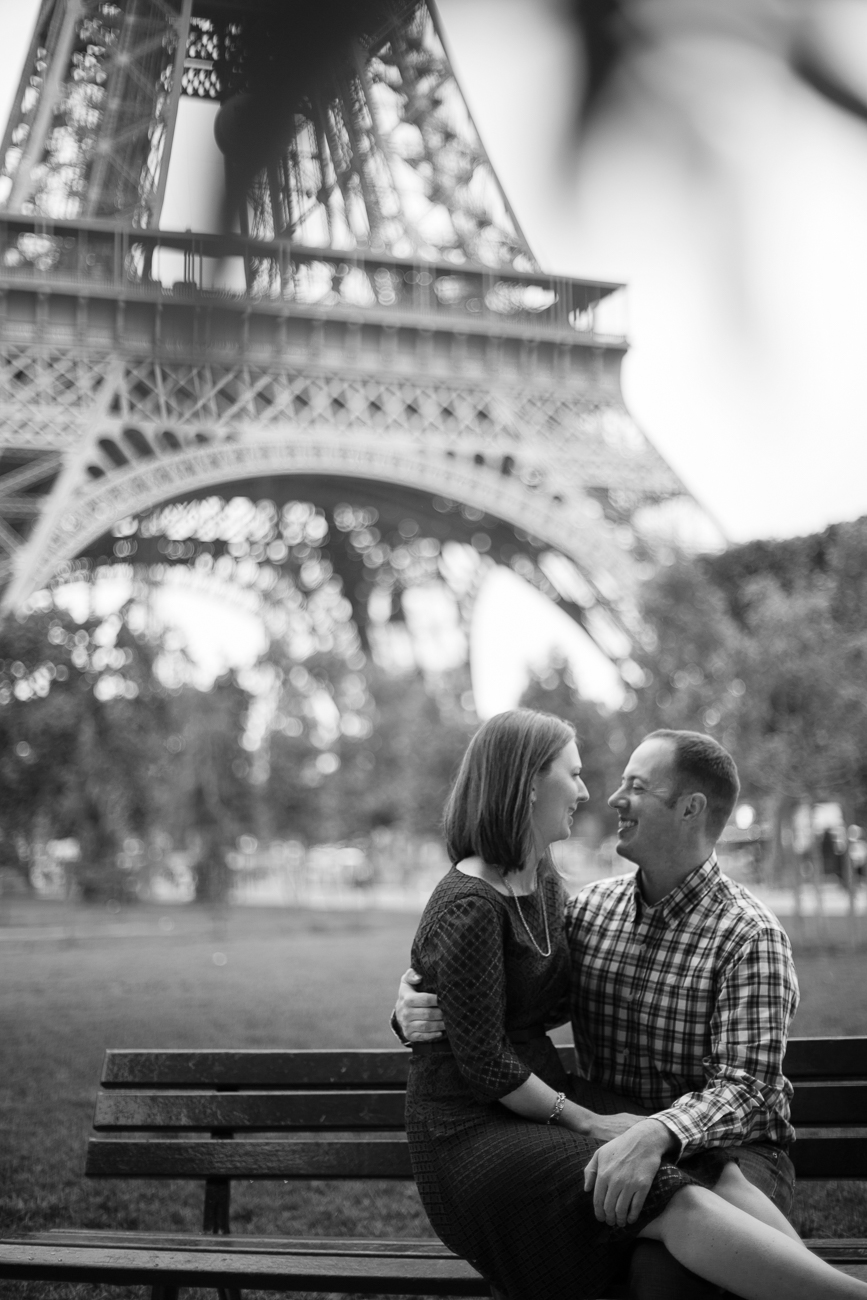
(182, 266)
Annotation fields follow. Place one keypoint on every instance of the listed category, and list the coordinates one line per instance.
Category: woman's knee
(731, 1181)
(688, 1207)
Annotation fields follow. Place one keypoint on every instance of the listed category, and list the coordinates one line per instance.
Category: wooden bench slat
(412, 1247)
(261, 1111)
(830, 1103)
(858, 1271)
(814, 1103)
(361, 1157)
(806, 1058)
(214, 1268)
(814, 1156)
(839, 1250)
(825, 1058)
(379, 1067)
(383, 1067)
(824, 1156)
(274, 1271)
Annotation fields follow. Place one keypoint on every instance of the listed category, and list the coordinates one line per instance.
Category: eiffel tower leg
(63, 35)
(30, 560)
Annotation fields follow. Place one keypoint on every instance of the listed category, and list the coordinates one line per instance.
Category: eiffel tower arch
(368, 324)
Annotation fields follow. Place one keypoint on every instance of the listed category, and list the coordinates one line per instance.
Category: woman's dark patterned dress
(503, 1192)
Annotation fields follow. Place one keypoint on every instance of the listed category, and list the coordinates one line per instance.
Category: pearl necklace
(539, 950)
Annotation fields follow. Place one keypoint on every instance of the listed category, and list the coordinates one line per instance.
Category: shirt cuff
(683, 1133)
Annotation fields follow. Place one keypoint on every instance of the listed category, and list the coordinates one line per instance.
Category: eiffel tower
(367, 331)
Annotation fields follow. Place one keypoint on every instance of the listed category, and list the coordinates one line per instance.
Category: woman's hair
(489, 809)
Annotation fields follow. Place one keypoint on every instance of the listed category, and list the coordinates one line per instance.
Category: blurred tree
(353, 746)
(81, 722)
(421, 729)
(313, 704)
(765, 647)
(689, 658)
(835, 559)
(802, 727)
(209, 800)
(95, 747)
(601, 738)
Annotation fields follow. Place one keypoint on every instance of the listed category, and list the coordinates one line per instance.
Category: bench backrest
(339, 1114)
(829, 1109)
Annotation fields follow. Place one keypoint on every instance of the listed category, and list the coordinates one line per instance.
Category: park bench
(216, 1116)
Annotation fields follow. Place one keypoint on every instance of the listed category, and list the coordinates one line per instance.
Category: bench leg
(229, 1293)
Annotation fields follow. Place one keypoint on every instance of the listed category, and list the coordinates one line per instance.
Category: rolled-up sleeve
(463, 965)
(744, 1081)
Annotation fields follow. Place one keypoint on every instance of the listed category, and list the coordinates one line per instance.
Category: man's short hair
(489, 811)
(701, 763)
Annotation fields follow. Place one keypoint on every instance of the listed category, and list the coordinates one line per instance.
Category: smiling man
(683, 989)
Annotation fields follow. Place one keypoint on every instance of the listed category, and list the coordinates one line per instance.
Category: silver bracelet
(554, 1117)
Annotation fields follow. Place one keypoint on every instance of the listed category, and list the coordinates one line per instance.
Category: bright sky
(731, 199)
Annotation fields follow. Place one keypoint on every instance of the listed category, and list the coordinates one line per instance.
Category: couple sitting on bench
(671, 1148)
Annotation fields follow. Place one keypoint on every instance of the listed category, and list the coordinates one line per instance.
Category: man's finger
(617, 1204)
(410, 976)
(590, 1174)
(423, 1024)
(600, 1191)
(612, 1196)
(622, 1206)
(637, 1203)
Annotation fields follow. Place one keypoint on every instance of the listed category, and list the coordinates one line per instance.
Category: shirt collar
(684, 897)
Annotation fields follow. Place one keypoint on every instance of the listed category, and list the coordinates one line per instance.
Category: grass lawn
(266, 978)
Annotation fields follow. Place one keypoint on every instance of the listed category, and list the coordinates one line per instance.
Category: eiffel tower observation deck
(362, 348)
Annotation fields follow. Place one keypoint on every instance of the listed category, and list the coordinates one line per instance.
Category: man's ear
(694, 806)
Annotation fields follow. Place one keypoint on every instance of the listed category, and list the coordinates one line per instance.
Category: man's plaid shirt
(685, 1006)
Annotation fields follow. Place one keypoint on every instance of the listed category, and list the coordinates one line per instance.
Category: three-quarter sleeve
(463, 964)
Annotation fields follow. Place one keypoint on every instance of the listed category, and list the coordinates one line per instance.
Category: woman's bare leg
(729, 1247)
(737, 1190)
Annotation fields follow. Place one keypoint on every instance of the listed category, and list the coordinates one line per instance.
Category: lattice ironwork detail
(91, 126)
(566, 469)
(377, 150)
(571, 440)
(204, 46)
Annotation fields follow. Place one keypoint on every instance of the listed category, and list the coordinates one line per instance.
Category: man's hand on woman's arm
(418, 1015)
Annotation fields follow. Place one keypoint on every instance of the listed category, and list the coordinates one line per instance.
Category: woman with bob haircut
(498, 1142)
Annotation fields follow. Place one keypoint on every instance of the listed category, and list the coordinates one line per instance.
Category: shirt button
(623, 1056)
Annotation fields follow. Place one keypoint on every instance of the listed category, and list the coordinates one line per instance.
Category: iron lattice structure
(369, 331)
